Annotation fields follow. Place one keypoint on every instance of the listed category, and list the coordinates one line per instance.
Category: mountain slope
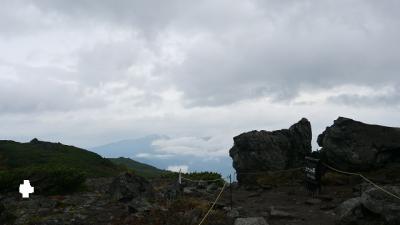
(139, 168)
(15, 155)
(143, 150)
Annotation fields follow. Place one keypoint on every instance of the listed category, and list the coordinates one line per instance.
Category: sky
(87, 73)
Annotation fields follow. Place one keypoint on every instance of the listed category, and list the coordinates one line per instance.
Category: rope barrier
(363, 177)
(212, 206)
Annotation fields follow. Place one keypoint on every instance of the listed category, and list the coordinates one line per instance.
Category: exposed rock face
(353, 145)
(260, 151)
(128, 186)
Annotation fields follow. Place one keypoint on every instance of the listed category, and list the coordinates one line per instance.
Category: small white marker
(25, 189)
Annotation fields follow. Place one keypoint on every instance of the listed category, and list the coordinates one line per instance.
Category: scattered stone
(260, 151)
(251, 187)
(192, 216)
(328, 206)
(212, 187)
(139, 206)
(251, 221)
(313, 201)
(128, 186)
(326, 198)
(188, 190)
(349, 212)
(275, 213)
(233, 213)
(266, 186)
(202, 184)
(254, 194)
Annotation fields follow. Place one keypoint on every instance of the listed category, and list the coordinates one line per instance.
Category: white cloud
(177, 168)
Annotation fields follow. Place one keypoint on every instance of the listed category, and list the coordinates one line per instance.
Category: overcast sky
(87, 73)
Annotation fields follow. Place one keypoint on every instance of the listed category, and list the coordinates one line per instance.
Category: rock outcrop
(353, 145)
(373, 207)
(128, 186)
(260, 151)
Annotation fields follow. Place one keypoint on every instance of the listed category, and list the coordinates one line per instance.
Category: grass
(14, 155)
(52, 168)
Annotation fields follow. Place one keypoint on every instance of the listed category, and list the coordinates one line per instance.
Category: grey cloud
(391, 99)
(243, 50)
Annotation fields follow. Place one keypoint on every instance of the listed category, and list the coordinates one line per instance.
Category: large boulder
(353, 145)
(261, 151)
(380, 203)
(129, 186)
(349, 212)
(373, 207)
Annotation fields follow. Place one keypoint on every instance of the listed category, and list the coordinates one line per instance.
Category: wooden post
(230, 189)
(180, 177)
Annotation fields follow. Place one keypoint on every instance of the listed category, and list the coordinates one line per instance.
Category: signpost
(313, 175)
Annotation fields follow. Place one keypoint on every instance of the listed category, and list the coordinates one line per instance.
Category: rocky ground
(271, 191)
(131, 200)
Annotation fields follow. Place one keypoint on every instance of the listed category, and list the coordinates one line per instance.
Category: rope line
(212, 206)
(363, 177)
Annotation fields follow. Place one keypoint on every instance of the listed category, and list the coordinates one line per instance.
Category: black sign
(313, 174)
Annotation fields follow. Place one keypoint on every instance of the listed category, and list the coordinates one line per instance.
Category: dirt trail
(292, 200)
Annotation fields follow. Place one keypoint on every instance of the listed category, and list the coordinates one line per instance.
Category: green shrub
(47, 180)
(205, 176)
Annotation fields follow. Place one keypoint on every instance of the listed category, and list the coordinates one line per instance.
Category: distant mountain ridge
(143, 150)
(141, 169)
(127, 148)
(15, 155)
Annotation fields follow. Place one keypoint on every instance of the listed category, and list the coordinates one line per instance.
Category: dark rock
(139, 205)
(326, 198)
(128, 186)
(188, 190)
(212, 187)
(328, 206)
(233, 213)
(255, 194)
(172, 191)
(313, 201)
(260, 151)
(250, 221)
(202, 184)
(266, 186)
(35, 141)
(192, 217)
(275, 213)
(380, 203)
(353, 145)
(349, 212)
